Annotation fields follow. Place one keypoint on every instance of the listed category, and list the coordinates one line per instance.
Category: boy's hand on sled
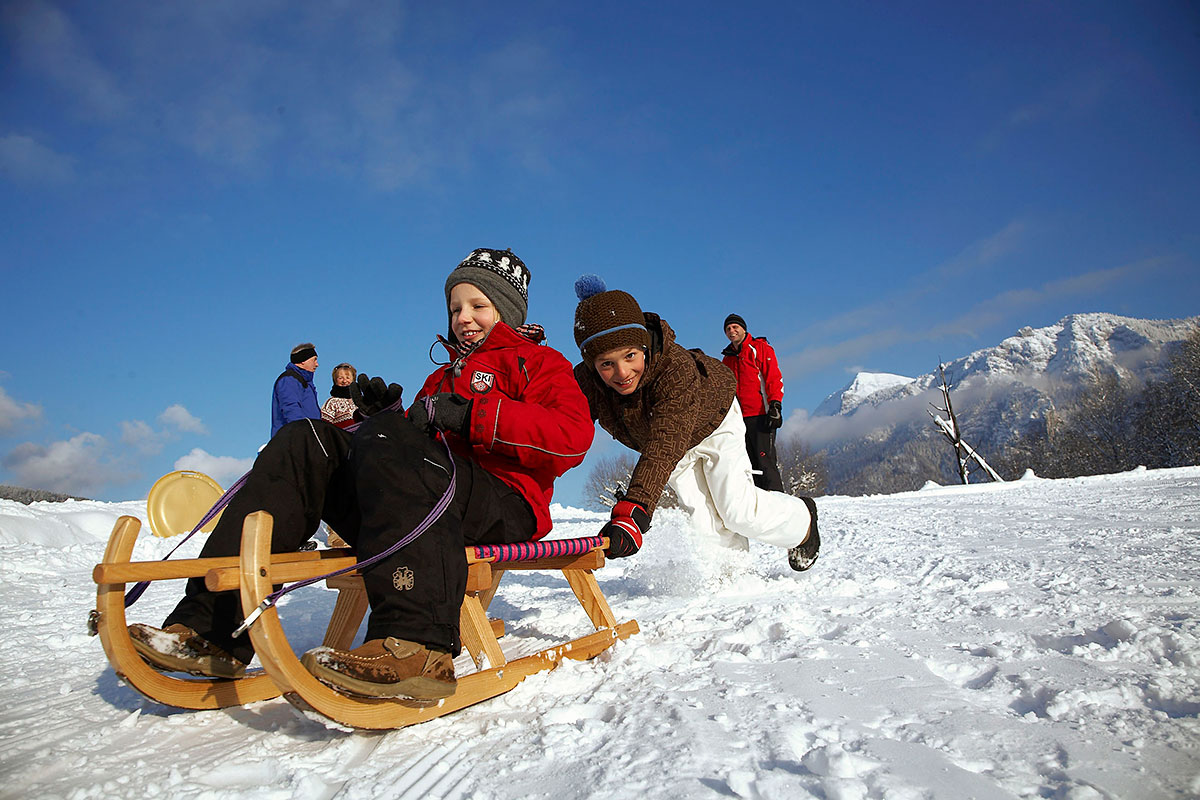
(444, 411)
(624, 530)
(774, 414)
(372, 395)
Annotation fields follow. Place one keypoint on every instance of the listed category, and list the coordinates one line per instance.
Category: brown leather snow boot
(388, 667)
(178, 648)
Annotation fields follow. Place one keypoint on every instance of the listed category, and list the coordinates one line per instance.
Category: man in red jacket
(760, 394)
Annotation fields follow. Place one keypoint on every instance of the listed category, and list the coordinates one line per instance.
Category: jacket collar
(732, 349)
(300, 369)
(501, 335)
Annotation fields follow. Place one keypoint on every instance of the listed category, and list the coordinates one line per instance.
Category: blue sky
(188, 190)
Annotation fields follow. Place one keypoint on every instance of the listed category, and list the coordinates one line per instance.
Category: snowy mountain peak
(858, 391)
(1067, 353)
(1074, 348)
(876, 434)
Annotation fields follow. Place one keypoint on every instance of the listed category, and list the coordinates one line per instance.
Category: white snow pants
(715, 485)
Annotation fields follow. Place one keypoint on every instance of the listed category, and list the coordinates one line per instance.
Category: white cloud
(1074, 95)
(47, 42)
(1015, 301)
(877, 326)
(222, 469)
(12, 412)
(147, 441)
(25, 160)
(382, 112)
(986, 251)
(79, 466)
(142, 437)
(178, 417)
(875, 320)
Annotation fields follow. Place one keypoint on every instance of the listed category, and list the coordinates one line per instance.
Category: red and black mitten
(624, 530)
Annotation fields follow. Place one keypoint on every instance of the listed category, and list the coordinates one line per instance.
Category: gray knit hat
(501, 276)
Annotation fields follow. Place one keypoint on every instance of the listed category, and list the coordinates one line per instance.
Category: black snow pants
(760, 446)
(373, 487)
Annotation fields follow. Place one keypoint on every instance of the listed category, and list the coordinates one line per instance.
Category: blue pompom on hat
(589, 284)
(606, 319)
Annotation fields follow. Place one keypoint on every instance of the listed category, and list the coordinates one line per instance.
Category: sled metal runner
(253, 575)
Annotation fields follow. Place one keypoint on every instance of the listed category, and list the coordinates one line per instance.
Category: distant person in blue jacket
(295, 395)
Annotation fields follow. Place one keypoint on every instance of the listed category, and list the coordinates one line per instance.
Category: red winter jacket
(759, 380)
(529, 421)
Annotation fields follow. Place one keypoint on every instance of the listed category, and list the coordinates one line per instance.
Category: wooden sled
(256, 571)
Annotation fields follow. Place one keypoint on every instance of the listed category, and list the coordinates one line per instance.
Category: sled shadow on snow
(267, 716)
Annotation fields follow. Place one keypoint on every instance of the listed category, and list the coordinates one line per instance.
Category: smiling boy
(677, 408)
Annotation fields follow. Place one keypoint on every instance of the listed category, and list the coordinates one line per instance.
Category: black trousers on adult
(760, 446)
(373, 487)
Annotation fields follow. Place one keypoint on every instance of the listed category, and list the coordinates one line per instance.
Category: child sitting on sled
(677, 408)
(514, 419)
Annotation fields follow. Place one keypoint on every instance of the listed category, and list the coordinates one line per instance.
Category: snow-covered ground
(1032, 639)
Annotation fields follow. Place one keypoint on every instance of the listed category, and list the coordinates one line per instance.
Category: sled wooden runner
(478, 635)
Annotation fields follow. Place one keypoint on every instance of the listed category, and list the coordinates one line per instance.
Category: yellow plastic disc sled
(178, 500)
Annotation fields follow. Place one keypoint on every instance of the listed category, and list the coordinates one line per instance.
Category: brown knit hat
(605, 320)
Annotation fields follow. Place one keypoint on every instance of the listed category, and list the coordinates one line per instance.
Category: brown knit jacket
(682, 398)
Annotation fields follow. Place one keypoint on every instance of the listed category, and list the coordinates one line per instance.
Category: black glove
(624, 531)
(774, 414)
(372, 395)
(446, 412)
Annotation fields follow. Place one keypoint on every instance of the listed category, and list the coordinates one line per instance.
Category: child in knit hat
(677, 408)
(503, 415)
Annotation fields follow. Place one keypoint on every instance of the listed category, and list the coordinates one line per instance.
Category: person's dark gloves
(774, 414)
(624, 530)
(372, 395)
(446, 412)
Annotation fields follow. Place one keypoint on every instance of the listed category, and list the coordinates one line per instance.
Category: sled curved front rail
(305, 691)
(111, 625)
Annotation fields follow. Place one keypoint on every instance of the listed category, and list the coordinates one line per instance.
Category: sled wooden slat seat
(479, 634)
(226, 577)
(135, 571)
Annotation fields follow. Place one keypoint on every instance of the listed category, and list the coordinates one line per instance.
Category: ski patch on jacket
(482, 382)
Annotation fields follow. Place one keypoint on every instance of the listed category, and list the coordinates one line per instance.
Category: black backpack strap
(291, 373)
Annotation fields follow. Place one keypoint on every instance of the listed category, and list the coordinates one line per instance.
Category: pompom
(588, 285)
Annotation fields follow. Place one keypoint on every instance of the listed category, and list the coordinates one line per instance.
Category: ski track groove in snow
(1032, 639)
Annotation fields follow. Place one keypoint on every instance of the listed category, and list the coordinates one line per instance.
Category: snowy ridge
(861, 389)
(1065, 354)
(1060, 617)
(883, 440)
